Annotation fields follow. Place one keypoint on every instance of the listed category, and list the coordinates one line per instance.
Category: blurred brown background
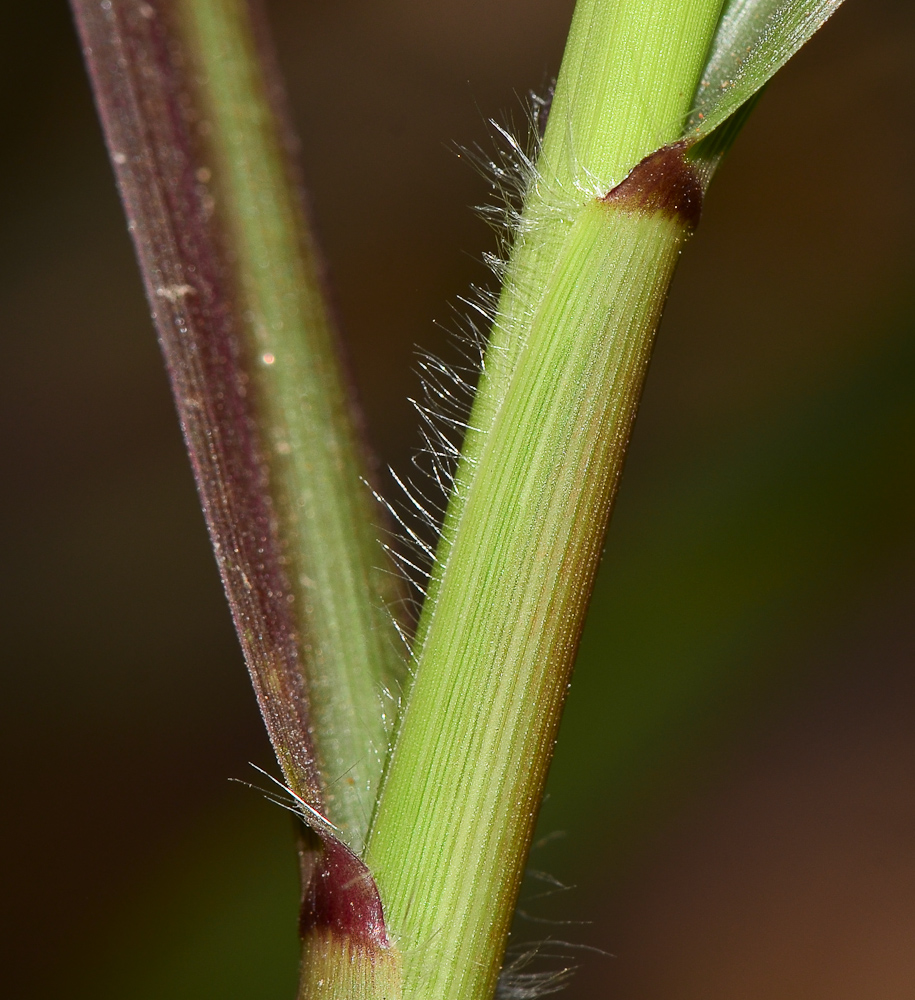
(734, 793)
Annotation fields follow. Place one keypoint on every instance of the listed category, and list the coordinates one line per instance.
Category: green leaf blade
(194, 121)
(755, 38)
(325, 512)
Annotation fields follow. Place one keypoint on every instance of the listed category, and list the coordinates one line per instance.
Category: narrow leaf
(326, 516)
(191, 121)
(755, 38)
(142, 98)
(194, 122)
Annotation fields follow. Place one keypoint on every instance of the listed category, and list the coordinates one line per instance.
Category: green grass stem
(523, 534)
(336, 967)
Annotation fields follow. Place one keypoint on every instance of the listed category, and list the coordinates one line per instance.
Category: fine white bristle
(448, 387)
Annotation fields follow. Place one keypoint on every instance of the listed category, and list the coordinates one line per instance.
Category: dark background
(734, 792)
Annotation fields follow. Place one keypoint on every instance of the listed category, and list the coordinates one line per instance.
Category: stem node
(663, 182)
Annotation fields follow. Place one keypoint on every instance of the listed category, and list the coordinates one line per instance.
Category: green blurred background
(734, 791)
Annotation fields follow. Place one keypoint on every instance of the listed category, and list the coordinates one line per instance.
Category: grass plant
(417, 777)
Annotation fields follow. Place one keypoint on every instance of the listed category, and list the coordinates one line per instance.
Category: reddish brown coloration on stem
(152, 126)
(664, 182)
(339, 893)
